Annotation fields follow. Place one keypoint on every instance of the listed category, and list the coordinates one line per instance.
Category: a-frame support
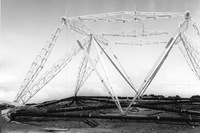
(154, 70)
(114, 97)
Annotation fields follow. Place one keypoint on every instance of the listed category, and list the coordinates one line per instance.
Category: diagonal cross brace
(160, 60)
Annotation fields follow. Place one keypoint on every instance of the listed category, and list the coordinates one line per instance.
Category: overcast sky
(26, 25)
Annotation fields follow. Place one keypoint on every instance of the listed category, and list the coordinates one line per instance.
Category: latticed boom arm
(50, 74)
(38, 63)
(136, 33)
(127, 16)
(192, 55)
(80, 28)
(141, 43)
(89, 71)
(82, 69)
(84, 76)
(27, 90)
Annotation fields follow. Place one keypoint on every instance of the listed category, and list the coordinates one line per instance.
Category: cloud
(8, 76)
(183, 90)
(152, 5)
(8, 91)
(7, 87)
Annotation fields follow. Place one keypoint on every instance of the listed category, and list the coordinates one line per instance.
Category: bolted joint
(187, 15)
(64, 18)
(91, 35)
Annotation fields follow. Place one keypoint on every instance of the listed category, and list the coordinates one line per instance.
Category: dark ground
(105, 126)
(80, 125)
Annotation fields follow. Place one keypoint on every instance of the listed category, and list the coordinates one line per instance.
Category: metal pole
(153, 72)
(123, 70)
(83, 108)
(107, 76)
(116, 67)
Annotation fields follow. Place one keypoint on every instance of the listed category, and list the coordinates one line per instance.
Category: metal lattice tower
(88, 65)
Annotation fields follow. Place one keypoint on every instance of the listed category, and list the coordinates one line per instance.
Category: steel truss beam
(82, 70)
(28, 90)
(26, 95)
(136, 33)
(140, 43)
(38, 63)
(193, 55)
(126, 16)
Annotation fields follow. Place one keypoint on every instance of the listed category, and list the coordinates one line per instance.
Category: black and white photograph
(100, 66)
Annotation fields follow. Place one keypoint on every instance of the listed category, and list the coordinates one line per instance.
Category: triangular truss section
(88, 65)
